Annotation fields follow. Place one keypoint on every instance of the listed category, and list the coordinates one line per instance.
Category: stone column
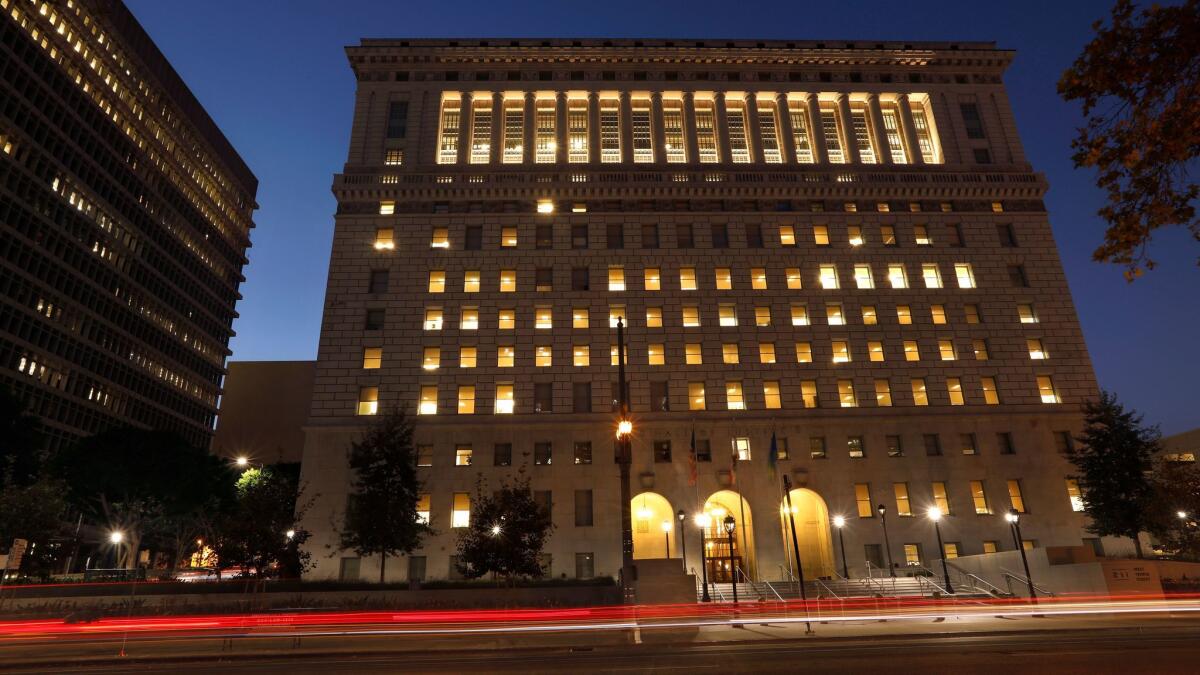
(626, 129)
(720, 126)
(816, 131)
(657, 133)
(850, 145)
(910, 130)
(464, 128)
(691, 146)
(497, 149)
(787, 139)
(882, 149)
(529, 131)
(594, 127)
(754, 142)
(561, 146)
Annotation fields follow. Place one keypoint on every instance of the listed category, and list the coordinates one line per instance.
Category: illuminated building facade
(838, 250)
(125, 215)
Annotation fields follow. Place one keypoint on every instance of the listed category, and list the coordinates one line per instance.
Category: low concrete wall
(1076, 570)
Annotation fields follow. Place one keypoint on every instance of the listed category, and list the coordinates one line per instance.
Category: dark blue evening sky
(274, 77)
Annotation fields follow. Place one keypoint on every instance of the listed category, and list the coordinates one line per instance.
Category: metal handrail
(777, 595)
(1025, 580)
(737, 570)
(922, 580)
(977, 582)
(882, 586)
(828, 590)
(866, 582)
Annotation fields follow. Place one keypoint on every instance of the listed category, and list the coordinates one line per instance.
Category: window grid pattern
(448, 143)
(546, 145)
(481, 133)
(610, 132)
(771, 153)
(800, 137)
(643, 144)
(833, 139)
(577, 132)
(891, 131)
(862, 136)
(706, 133)
(514, 134)
(735, 126)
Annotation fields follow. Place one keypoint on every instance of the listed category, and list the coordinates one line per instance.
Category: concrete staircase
(888, 587)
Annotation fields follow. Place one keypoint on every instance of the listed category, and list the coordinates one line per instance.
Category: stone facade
(440, 211)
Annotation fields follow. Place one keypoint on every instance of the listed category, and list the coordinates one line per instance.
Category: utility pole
(624, 459)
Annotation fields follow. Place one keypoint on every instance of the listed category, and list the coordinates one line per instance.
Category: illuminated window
(643, 145)
(940, 500)
(610, 131)
(821, 235)
(1074, 495)
(896, 276)
(729, 353)
(803, 352)
(875, 350)
(758, 279)
(965, 275)
(441, 238)
(887, 235)
(766, 352)
(883, 393)
(920, 396)
(543, 356)
(980, 348)
(724, 280)
(1046, 389)
(692, 354)
(652, 278)
(854, 235)
(451, 120)
(394, 157)
(828, 276)
(947, 351)
(1036, 352)
(727, 315)
(800, 134)
(735, 128)
(979, 497)
(891, 133)
(931, 275)
(579, 317)
(903, 508)
(687, 278)
(437, 281)
(616, 312)
(695, 396)
(372, 358)
(466, 405)
(903, 315)
(971, 312)
(504, 399)
(508, 281)
(614, 357)
(423, 509)
(654, 317)
(514, 132)
(862, 498)
(467, 357)
(469, 319)
(505, 355)
(793, 278)
(938, 314)
(921, 235)
(461, 515)
(655, 354)
(771, 395)
(691, 317)
(921, 125)
(1014, 496)
(577, 130)
(869, 317)
(741, 448)
(808, 393)
(787, 235)
(846, 395)
(481, 131)
(911, 351)
(862, 135)
(385, 239)
(799, 315)
(616, 278)
(990, 395)
(990, 547)
(545, 145)
(431, 358)
(506, 319)
(581, 355)
(834, 315)
(762, 316)
(833, 136)
(429, 401)
(368, 400)
(706, 131)
(954, 389)
(841, 351)
(471, 281)
(733, 396)
(862, 276)
(1027, 314)
(672, 123)
(433, 318)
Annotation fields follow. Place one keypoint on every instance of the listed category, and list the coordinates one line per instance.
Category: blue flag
(772, 456)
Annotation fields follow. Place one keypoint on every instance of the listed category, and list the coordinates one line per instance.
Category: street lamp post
(882, 509)
(1014, 520)
(703, 521)
(840, 522)
(935, 514)
(666, 528)
(624, 459)
(730, 526)
(787, 500)
(682, 539)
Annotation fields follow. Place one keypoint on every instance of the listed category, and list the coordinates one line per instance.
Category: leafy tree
(507, 532)
(1139, 81)
(253, 534)
(381, 515)
(33, 512)
(1175, 490)
(1113, 457)
(20, 441)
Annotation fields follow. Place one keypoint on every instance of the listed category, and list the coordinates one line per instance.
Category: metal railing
(746, 581)
(775, 592)
(1009, 577)
(977, 583)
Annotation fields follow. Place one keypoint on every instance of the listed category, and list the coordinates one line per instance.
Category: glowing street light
(496, 529)
(1182, 515)
(882, 509)
(840, 522)
(935, 514)
(1014, 521)
(116, 537)
(242, 461)
(730, 526)
(682, 539)
(624, 429)
(703, 521)
(666, 528)
(290, 534)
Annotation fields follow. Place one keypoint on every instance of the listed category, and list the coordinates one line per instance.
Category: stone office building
(835, 249)
(125, 216)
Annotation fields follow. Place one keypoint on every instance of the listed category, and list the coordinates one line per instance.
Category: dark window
(545, 75)
(502, 455)
(683, 236)
(874, 555)
(894, 447)
(616, 235)
(585, 565)
(543, 500)
(754, 238)
(662, 451)
(720, 236)
(374, 319)
(615, 390)
(543, 397)
(967, 441)
(933, 445)
(579, 236)
(583, 452)
(650, 236)
(854, 445)
(660, 401)
(781, 448)
(513, 76)
(579, 279)
(1063, 443)
(703, 450)
(954, 235)
(474, 240)
(1005, 441)
(583, 508)
(544, 279)
(397, 122)
(816, 447)
(983, 156)
(545, 237)
(581, 397)
(451, 76)
(1008, 236)
(416, 568)
(542, 454)
(379, 281)
(1016, 275)
(972, 120)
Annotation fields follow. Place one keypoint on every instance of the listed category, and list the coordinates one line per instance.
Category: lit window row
(938, 495)
(608, 127)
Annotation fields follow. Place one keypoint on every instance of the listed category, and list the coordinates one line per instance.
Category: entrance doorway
(717, 546)
(813, 534)
(653, 526)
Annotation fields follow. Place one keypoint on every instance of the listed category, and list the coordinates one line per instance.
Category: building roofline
(677, 44)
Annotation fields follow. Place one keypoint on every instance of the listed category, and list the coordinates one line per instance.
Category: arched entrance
(717, 544)
(813, 534)
(649, 511)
